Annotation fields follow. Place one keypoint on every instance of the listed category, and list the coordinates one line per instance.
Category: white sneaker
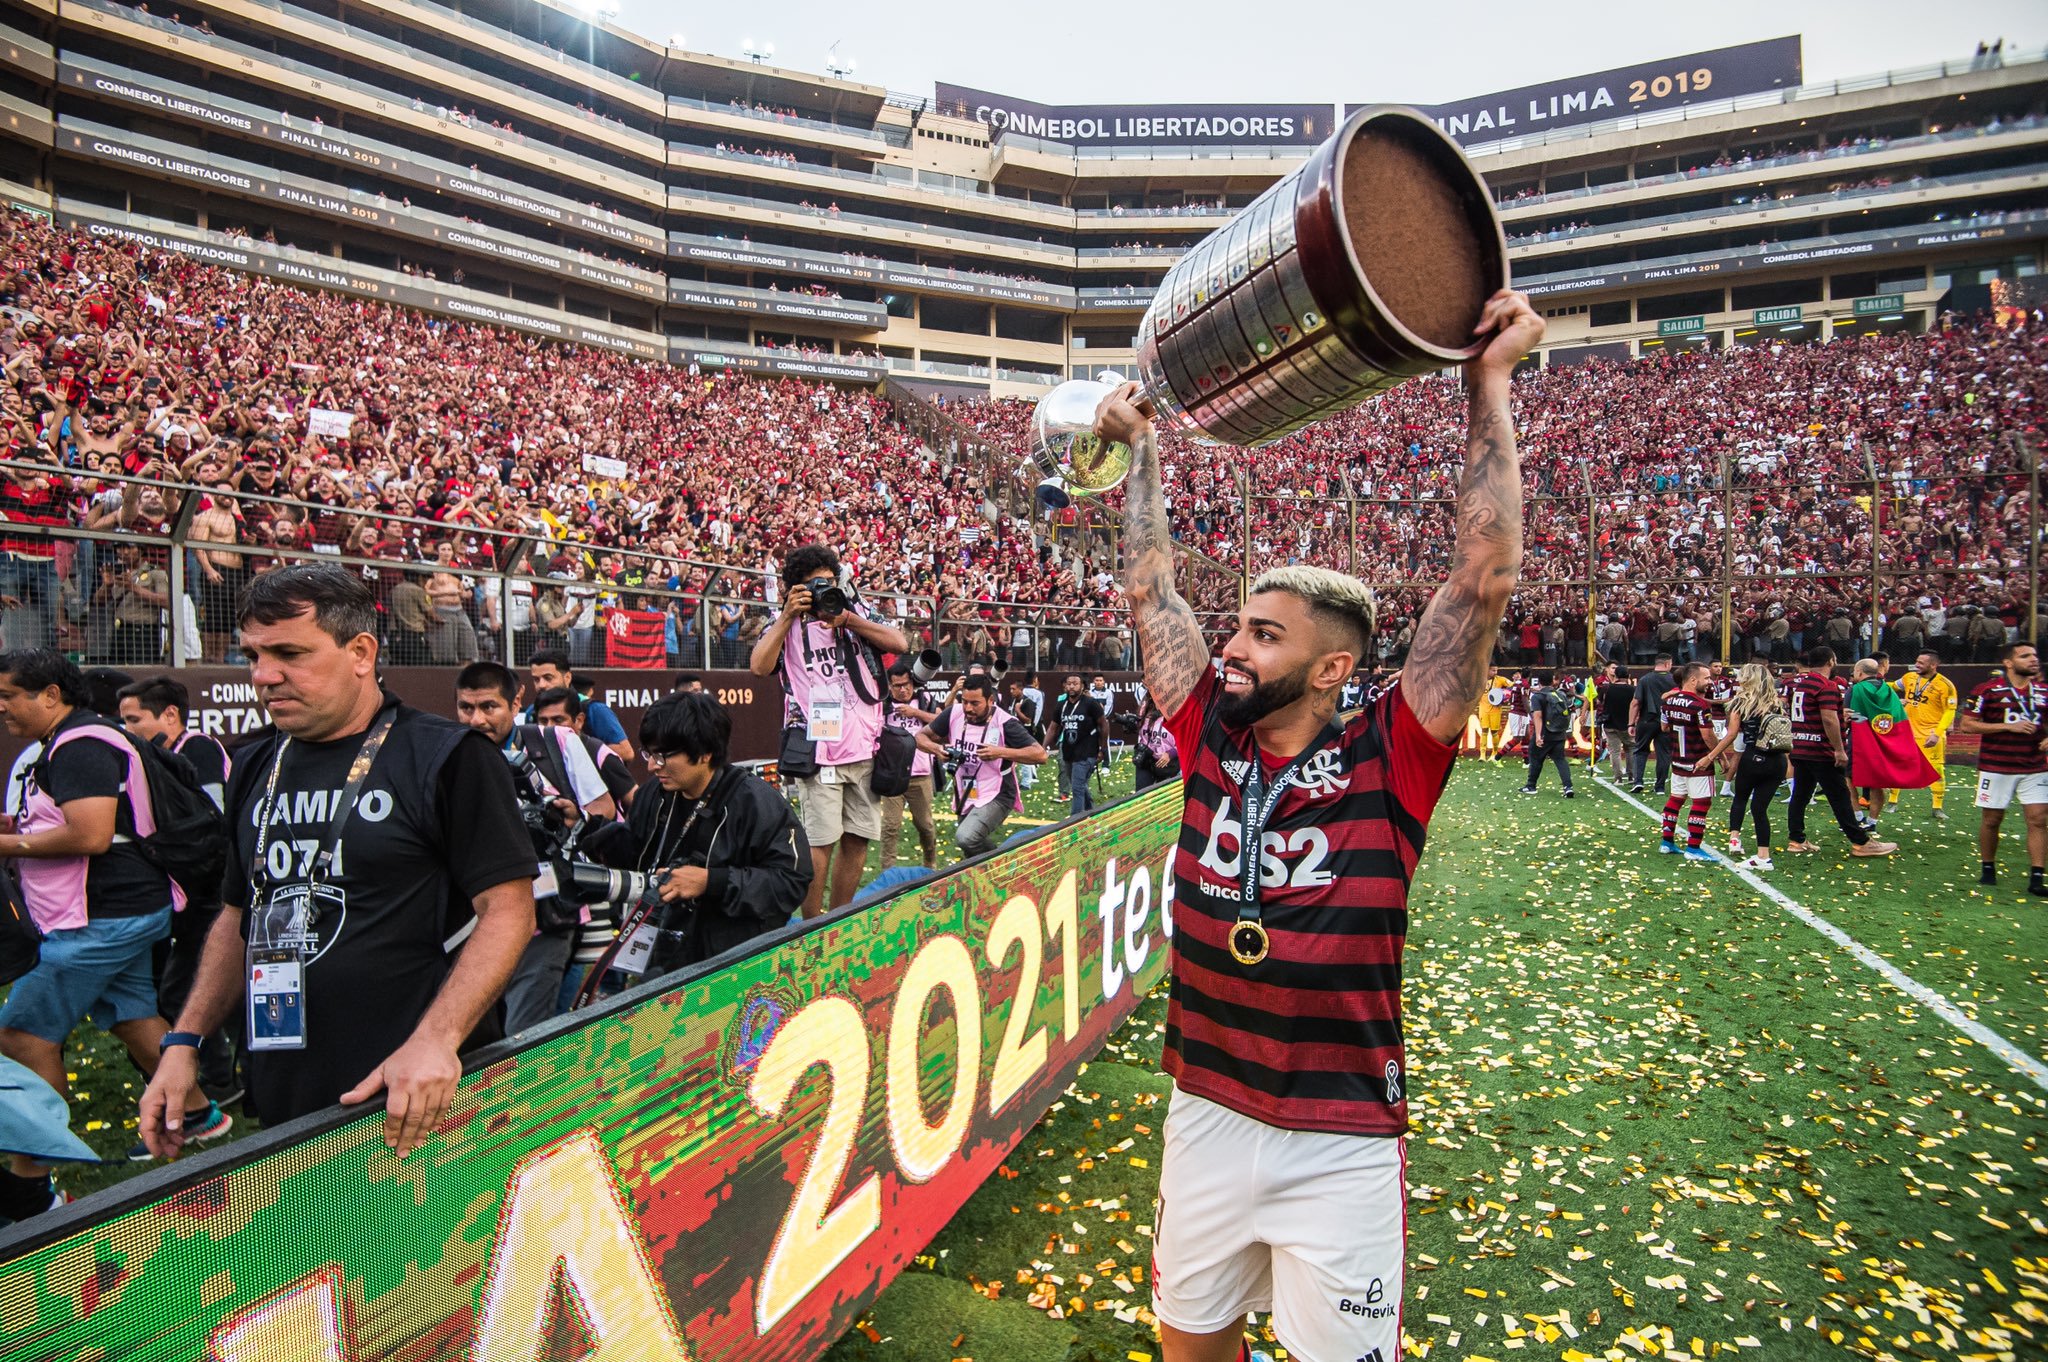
(1758, 863)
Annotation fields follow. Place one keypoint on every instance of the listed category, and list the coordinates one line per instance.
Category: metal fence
(1747, 562)
(123, 570)
(1740, 563)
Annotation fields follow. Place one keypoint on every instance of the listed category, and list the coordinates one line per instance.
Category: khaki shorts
(838, 802)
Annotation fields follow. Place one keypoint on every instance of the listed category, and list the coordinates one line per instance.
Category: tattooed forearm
(1447, 662)
(1169, 639)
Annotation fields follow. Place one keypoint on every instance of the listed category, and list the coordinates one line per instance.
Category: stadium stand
(1665, 492)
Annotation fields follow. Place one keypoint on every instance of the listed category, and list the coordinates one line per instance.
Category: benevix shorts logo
(1375, 1304)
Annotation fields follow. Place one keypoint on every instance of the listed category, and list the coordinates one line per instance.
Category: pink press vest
(55, 888)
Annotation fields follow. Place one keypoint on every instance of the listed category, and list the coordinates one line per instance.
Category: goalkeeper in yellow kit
(1931, 708)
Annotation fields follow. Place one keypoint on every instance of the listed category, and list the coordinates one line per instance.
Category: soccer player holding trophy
(1283, 1183)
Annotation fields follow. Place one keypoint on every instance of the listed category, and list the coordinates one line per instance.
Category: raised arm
(1173, 650)
(1446, 669)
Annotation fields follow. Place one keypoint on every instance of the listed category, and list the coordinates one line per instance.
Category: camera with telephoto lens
(829, 600)
(589, 882)
(615, 893)
(544, 822)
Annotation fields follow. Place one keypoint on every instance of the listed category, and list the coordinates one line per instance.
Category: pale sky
(1058, 52)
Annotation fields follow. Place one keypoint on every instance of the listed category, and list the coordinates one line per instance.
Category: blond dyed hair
(1756, 692)
(1327, 593)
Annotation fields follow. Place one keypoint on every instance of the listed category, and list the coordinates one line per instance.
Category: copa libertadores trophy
(1369, 265)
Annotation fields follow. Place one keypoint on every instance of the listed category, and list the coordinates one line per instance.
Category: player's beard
(1242, 711)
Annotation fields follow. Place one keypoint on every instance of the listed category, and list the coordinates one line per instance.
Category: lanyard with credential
(358, 770)
(1248, 940)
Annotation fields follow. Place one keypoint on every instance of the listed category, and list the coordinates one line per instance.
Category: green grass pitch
(1655, 1114)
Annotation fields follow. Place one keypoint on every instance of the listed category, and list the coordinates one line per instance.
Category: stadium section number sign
(730, 1166)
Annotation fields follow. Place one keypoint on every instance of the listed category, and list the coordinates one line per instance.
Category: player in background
(1931, 708)
(1493, 718)
(1719, 689)
(1688, 723)
(2007, 713)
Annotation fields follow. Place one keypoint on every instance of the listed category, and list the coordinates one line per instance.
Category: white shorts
(1995, 791)
(1313, 1227)
(1720, 729)
(1518, 724)
(1691, 787)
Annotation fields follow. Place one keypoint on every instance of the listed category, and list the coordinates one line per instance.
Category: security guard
(1931, 707)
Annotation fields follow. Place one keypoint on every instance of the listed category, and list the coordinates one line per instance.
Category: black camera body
(829, 600)
(544, 823)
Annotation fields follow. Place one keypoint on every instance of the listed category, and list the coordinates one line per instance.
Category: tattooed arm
(1447, 663)
(1169, 640)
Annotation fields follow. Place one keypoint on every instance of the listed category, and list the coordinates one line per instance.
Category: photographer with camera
(832, 681)
(561, 707)
(558, 785)
(716, 855)
(979, 747)
(906, 717)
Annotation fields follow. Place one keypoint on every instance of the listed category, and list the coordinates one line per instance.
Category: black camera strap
(541, 744)
(358, 771)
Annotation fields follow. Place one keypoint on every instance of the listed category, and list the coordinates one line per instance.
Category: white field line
(2019, 1059)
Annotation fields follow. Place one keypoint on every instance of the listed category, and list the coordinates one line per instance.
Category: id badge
(277, 999)
(639, 948)
(828, 715)
(546, 885)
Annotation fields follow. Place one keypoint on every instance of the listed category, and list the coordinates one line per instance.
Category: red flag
(1884, 754)
(634, 638)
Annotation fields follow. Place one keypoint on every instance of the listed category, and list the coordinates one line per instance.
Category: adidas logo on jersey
(1237, 769)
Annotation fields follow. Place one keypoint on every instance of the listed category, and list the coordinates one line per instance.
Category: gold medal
(1248, 941)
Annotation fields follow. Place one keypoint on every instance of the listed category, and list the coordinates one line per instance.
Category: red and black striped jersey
(1688, 722)
(1808, 696)
(1719, 690)
(1998, 701)
(1310, 1037)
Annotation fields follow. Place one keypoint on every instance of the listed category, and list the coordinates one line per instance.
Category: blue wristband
(170, 1038)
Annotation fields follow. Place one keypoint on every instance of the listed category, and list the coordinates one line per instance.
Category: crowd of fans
(448, 451)
(466, 449)
(1657, 479)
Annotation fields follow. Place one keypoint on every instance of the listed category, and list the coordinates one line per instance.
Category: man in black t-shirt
(1617, 696)
(1550, 721)
(1076, 724)
(154, 711)
(381, 925)
(100, 905)
(1646, 719)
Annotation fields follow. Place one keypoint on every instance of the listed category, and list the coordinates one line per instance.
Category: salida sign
(1643, 88)
(724, 1166)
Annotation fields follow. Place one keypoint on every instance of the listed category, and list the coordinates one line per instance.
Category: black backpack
(191, 838)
